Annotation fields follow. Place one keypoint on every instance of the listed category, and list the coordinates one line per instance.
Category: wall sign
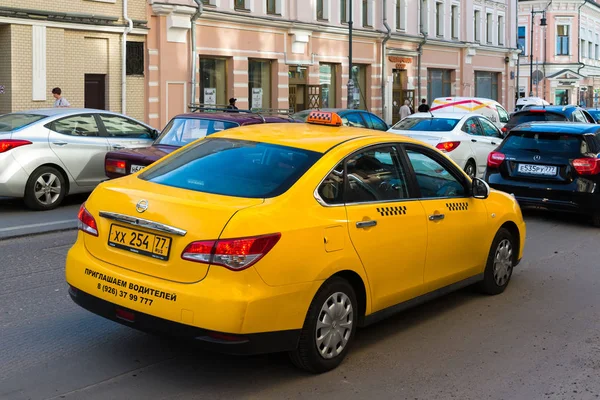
(210, 96)
(257, 97)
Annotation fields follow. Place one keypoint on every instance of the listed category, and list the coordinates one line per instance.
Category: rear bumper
(256, 343)
(13, 177)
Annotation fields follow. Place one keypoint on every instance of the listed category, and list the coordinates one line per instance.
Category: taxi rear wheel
(329, 328)
(500, 263)
(596, 219)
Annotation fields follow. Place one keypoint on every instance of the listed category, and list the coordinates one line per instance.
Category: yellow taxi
(288, 237)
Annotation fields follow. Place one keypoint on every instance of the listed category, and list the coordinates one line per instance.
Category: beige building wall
(5, 68)
(136, 89)
(136, 8)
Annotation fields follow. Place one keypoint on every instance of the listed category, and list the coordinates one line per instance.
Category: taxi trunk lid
(151, 241)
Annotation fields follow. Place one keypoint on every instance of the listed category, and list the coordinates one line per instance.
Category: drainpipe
(193, 43)
(127, 30)
(545, 50)
(581, 65)
(387, 37)
(420, 49)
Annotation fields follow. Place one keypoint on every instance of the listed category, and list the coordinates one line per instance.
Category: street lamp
(542, 23)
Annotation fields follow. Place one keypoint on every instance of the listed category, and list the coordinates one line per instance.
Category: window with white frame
(477, 27)
(367, 13)
(323, 10)
(597, 47)
(425, 16)
(242, 4)
(590, 45)
(582, 48)
(439, 19)
(455, 22)
(489, 35)
(401, 15)
(501, 30)
(343, 11)
(562, 40)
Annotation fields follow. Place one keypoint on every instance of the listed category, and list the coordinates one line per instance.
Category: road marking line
(13, 228)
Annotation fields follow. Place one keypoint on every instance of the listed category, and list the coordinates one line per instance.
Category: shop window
(561, 97)
(135, 58)
(522, 39)
(327, 77)
(259, 83)
(213, 81)
(477, 27)
(400, 15)
(439, 83)
(562, 40)
(486, 85)
(359, 76)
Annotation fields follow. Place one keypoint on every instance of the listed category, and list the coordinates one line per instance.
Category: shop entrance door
(399, 91)
(298, 88)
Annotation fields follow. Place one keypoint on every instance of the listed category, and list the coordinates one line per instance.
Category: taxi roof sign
(324, 118)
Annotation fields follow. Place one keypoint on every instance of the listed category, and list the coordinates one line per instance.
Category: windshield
(536, 117)
(545, 143)
(426, 124)
(11, 122)
(236, 168)
(181, 131)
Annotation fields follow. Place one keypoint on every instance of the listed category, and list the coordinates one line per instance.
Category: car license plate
(537, 169)
(144, 243)
(136, 168)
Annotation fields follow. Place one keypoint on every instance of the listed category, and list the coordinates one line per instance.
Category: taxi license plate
(135, 168)
(537, 169)
(143, 243)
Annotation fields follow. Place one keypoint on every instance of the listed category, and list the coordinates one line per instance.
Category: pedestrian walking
(232, 105)
(59, 100)
(405, 110)
(424, 107)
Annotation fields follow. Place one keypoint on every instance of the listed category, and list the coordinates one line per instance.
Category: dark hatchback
(554, 166)
(548, 114)
(350, 117)
(181, 130)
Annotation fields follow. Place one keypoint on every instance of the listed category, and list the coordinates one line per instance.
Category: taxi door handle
(436, 217)
(366, 224)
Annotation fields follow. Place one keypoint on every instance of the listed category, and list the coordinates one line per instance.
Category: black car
(350, 117)
(548, 114)
(554, 166)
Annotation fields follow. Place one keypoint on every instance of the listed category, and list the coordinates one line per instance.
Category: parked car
(181, 130)
(350, 117)
(525, 102)
(466, 138)
(47, 154)
(272, 238)
(489, 108)
(548, 114)
(595, 113)
(554, 166)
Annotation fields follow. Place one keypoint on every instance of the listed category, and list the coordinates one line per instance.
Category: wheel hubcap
(503, 262)
(47, 188)
(470, 170)
(334, 325)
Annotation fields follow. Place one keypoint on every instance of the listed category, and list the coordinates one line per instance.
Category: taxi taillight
(234, 254)
(86, 222)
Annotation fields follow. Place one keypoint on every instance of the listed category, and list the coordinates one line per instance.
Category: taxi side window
(472, 127)
(332, 187)
(375, 175)
(434, 180)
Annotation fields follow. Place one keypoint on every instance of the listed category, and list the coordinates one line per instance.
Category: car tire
(471, 169)
(316, 352)
(596, 219)
(45, 189)
(500, 264)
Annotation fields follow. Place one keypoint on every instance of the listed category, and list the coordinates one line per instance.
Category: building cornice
(72, 26)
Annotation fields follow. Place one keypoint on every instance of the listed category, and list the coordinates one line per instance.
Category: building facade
(566, 51)
(283, 54)
(77, 45)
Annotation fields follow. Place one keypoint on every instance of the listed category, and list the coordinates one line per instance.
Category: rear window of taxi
(235, 168)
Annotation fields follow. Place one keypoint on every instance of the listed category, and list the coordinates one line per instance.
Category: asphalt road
(538, 340)
(17, 220)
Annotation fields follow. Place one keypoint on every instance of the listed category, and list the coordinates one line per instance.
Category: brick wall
(136, 8)
(5, 69)
(136, 97)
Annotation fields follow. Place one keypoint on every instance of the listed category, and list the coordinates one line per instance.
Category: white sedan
(466, 138)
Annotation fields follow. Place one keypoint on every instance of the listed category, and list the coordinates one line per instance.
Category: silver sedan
(47, 154)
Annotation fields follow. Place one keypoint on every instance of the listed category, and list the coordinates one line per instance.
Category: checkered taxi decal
(388, 211)
(457, 206)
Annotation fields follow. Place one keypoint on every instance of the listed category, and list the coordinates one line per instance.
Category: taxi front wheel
(328, 329)
(500, 263)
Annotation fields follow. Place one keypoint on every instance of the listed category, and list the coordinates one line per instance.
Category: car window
(426, 124)
(579, 117)
(588, 117)
(594, 113)
(472, 127)
(76, 125)
(181, 131)
(237, 168)
(434, 180)
(489, 129)
(536, 116)
(121, 127)
(11, 122)
(374, 175)
(331, 189)
(354, 119)
(544, 143)
(377, 123)
(503, 114)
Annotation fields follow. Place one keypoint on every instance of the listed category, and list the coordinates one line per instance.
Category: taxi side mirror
(480, 189)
